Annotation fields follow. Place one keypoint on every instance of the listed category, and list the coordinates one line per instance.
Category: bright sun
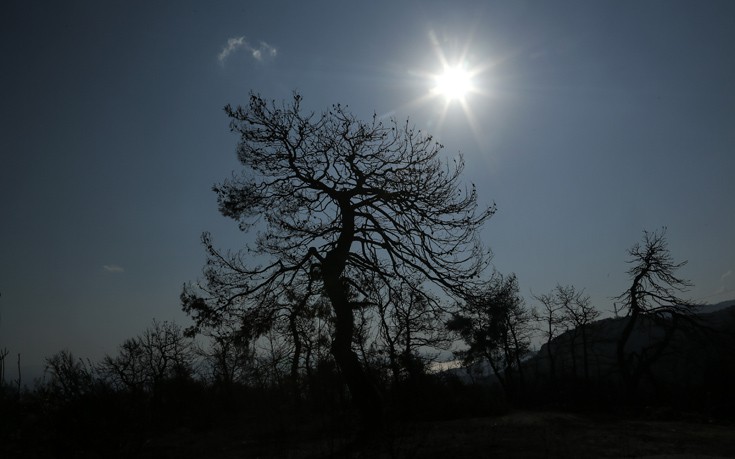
(454, 83)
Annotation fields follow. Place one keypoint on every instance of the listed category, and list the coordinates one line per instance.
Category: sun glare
(457, 83)
(454, 83)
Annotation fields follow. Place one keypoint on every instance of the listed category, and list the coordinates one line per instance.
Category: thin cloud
(232, 45)
(726, 283)
(264, 51)
(113, 269)
(259, 53)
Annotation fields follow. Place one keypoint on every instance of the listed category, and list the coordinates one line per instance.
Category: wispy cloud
(260, 52)
(726, 283)
(113, 268)
(232, 45)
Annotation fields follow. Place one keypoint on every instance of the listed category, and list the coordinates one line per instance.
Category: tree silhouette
(336, 198)
(71, 378)
(552, 322)
(228, 357)
(145, 362)
(569, 310)
(495, 325)
(580, 314)
(407, 323)
(652, 295)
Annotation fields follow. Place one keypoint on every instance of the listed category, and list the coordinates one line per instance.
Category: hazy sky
(590, 122)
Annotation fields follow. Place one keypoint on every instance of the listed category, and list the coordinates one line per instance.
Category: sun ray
(454, 88)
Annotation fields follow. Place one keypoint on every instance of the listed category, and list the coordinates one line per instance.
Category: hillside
(694, 370)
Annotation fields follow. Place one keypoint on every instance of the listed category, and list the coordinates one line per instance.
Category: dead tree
(334, 197)
(579, 314)
(552, 321)
(652, 296)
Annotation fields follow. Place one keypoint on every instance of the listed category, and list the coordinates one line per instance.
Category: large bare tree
(654, 296)
(333, 198)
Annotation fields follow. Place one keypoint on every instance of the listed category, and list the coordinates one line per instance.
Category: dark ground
(522, 434)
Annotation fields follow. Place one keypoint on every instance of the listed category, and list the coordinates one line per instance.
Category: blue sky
(591, 122)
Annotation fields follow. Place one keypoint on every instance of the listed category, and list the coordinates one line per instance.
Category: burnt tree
(653, 297)
(335, 198)
(580, 314)
(552, 321)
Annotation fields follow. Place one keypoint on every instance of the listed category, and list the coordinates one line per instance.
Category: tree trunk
(585, 356)
(393, 364)
(498, 374)
(517, 358)
(573, 352)
(364, 394)
(624, 367)
(625, 371)
(552, 366)
(296, 357)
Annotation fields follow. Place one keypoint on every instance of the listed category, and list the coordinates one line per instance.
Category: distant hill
(698, 363)
(708, 308)
(696, 372)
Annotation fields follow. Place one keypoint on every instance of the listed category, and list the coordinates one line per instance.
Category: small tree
(579, 314)
(653, 295)
(568, 310)
(126, 370)
(495, 325)
(552, 322)
(411, 326)
(336, 198)
(3, 353)
(161, 353)
(71, 378)
(228, 357)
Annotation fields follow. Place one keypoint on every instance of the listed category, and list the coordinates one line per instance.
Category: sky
(587, 122)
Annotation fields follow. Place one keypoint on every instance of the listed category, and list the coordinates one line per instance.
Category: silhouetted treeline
(162, 382)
